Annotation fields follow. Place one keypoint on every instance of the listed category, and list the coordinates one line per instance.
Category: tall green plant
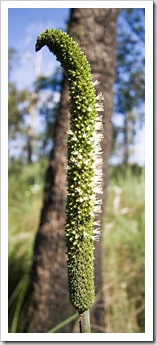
(83, 168)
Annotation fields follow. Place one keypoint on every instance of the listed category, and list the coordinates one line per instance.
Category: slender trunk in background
(126, 141)
(30, 146)
(95, 32)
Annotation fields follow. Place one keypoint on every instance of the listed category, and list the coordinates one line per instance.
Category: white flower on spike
(96, 231)
(99, 106)
(98, 136)
(96, 82)
(69, 132)
(100, 97)
(90, 109)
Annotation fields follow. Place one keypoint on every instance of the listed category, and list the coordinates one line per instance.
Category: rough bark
(95, 31)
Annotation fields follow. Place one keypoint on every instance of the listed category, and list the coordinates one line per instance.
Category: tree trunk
(95, 32)
(33, 102)
(126, 141)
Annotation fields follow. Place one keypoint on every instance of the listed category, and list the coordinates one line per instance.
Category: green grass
(25, 201)
(123, 241)
(124, 253)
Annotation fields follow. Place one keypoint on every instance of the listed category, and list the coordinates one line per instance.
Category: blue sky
(21, 19)
(24, 25)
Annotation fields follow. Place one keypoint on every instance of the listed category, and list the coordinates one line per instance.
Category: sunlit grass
(124, 254)
(123, 241)
(25, 201)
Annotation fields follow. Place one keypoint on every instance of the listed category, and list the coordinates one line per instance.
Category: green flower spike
(83, 168)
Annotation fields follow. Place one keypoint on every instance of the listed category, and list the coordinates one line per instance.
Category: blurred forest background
(37, 94)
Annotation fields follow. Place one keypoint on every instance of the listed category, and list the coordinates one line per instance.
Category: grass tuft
(124, 253)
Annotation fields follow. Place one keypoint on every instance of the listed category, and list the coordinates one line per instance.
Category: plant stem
(84, 322)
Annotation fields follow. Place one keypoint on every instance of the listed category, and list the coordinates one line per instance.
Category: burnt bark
(95, 32)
